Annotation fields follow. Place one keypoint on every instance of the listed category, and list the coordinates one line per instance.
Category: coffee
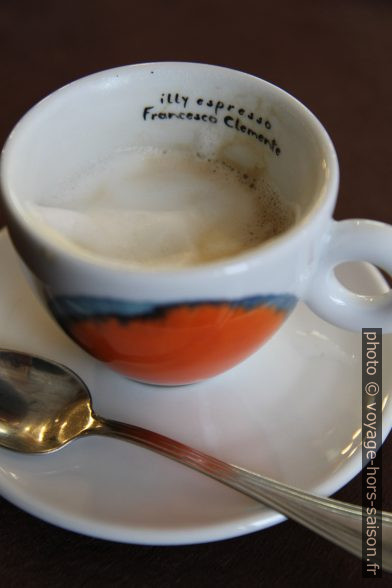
(165, 208)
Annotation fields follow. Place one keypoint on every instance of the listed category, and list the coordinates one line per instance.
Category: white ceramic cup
(182, 325)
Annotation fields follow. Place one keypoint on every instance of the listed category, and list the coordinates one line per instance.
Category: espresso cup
(180, 325)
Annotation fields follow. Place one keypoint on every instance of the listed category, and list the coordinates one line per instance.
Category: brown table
(333, 56)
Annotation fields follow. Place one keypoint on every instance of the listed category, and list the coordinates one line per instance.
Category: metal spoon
(44, 406)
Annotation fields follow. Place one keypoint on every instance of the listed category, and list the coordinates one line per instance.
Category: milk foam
(155, 208)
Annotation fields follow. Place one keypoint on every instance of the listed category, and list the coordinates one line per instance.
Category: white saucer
(291, 411)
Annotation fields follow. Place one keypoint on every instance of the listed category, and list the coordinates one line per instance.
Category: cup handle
(352, 240)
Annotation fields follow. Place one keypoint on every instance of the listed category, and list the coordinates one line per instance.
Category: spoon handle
(336, 521)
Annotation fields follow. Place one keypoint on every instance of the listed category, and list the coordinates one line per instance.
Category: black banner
(371, 453)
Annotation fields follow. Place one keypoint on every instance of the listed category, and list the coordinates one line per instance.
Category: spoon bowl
(43, 405)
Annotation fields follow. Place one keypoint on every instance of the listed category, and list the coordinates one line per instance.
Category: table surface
(333, 56)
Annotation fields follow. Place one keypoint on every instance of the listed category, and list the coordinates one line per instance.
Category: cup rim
(325, 199)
